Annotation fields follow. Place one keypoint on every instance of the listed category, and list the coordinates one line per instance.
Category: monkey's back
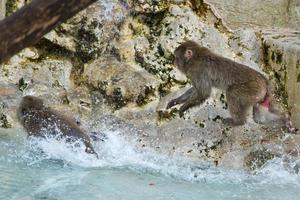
(224, 72)
(45, 121)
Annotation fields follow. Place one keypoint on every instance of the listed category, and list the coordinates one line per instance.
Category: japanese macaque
(39, 120)
(245, 87)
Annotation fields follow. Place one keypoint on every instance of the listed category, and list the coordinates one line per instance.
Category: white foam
(116, 152)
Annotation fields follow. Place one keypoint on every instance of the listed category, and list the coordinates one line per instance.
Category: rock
(270, 13)
(282, 62)
(51, 72)
(90, 33)
(120, 83)
(151, 7)
(9, 98)
(2, 9)
(247, 47)
(256, 159)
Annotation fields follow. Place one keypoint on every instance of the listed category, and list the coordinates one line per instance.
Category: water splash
(116, 152)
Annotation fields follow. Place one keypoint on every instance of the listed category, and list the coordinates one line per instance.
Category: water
(53, 170)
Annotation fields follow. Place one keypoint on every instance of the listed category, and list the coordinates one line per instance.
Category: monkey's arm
(200, 94)
(182, 98)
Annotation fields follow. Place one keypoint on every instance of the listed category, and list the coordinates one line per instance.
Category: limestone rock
(2, 9)
(270, 13)
(149, 6)
(120, 83)
(52, 72)
(282, 60)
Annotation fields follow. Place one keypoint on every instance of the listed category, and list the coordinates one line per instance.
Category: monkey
(244, 86)
(39, 120)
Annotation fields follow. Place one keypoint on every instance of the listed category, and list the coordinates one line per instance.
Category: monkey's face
(179, 59)
(182, 56)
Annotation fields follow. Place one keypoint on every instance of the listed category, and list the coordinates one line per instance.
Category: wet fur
(39, 120)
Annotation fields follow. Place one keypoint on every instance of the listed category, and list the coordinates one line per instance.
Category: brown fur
(39, 120)
(245, 87)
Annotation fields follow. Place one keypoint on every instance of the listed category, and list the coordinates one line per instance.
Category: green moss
(273, 56)
(240, 54)
(223, 101)
(150, 68)
(279, 57)
(200, 7)
(218, 24)
(154, 19)
(276, 57)
(4, 122)
(160, 50)
(298, 78)
(201, 124)
(11, 7)
(144, 98)
(279, 76)
(165, 115)
(3, 119)
(266, 55)
(22, 85)
(87, 46)
(164, 88)
(117, 99)
(280, 91)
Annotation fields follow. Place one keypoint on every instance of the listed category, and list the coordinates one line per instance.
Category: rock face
(119, 83)
(111, 65)
(282, 59)
(2, 9)
(269, 13)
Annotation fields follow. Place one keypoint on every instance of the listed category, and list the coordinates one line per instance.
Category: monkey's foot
(232, 122)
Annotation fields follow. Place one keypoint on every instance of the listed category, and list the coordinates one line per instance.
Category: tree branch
(26, 26)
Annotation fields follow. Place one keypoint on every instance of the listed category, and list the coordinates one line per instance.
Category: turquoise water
(51, 170)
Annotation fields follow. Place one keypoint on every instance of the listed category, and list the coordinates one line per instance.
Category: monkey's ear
(188, 54)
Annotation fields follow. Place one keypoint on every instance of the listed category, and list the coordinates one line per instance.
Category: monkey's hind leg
(240, 98)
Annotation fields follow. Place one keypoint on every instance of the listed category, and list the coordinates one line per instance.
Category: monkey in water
(39, 120)
(245, 87)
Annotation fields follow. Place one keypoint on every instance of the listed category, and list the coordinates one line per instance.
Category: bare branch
(26, 26)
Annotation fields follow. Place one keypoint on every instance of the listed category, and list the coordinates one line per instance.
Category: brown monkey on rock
(245, 87)
(39, 120)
